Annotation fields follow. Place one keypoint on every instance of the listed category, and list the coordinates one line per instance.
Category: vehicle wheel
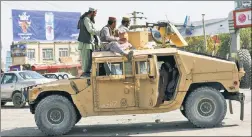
(183, 113)
(3, 103)
(60, 77)
(245, 58)
(78, 118)
(65, 76)
(55, 115)
(18, 100)
(205, 107)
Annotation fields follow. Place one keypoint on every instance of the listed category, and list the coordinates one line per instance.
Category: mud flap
(238, 97)
(242, 108)
(230, 106)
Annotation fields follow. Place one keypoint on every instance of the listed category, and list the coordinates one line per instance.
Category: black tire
(183, 113)
(60, 77)
(65, 76)
(3, 103)
(78, 118)
(18, 100)
(59, 125)
(194, 107)
(245, 58)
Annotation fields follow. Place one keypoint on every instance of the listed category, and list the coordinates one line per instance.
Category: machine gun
(168, 33)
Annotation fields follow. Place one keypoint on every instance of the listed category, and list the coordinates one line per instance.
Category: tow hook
(237, 97)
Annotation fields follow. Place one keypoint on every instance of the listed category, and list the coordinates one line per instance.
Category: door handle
(12, 86)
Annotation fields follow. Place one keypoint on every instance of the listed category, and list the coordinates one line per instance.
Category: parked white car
(13, 81)
(58, 75)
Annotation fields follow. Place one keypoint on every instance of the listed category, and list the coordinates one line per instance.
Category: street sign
(242, 18)
(242, 4)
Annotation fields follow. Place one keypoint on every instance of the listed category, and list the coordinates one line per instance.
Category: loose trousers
(86, 60)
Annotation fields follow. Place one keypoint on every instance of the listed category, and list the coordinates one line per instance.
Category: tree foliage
(245, 36)
(224, 47)
(196, 44)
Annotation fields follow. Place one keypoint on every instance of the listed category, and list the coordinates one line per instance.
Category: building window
(47, 54)
(31, 53)
(63, 52)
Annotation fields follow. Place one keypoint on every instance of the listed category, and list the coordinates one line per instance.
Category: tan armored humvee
(152, 81)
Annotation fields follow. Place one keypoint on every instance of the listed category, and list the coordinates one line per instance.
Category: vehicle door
(8, 85)
(113, 85)
(147, 80)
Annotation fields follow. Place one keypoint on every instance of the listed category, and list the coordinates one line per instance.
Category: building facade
(47, 53)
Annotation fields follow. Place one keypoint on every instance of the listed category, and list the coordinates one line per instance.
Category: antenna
(166, 17)
(134, 13)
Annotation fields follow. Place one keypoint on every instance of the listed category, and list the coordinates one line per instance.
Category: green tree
(195, 44)
(211, 46)
(224, 46)
(245, 37)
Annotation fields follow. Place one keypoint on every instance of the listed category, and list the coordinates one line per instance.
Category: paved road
(19, 122)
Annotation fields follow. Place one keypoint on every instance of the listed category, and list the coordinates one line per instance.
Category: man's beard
(92, 19)
(127, 25)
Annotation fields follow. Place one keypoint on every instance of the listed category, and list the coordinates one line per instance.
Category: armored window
(63, 52)
(128, 68)
(114, 68)
(142, 67)
(47, 54)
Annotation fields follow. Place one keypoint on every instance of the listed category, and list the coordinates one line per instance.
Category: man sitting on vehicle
(115, 44)
(124, 27)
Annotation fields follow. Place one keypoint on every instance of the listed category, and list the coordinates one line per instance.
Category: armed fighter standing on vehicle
(86, 40)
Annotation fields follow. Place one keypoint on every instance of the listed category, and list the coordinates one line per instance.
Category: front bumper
(240, 97)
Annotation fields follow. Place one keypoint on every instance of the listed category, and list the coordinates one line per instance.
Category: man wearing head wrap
(107, 34)
(124, 27)
(86, 40)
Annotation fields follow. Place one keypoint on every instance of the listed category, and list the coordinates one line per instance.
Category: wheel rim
(206, 107)
(55, 116)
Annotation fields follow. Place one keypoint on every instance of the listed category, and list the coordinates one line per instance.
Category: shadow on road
(113, 129)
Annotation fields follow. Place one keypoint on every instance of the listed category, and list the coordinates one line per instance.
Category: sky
(175, 11)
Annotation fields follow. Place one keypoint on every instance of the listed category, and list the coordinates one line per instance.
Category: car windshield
(30, 75)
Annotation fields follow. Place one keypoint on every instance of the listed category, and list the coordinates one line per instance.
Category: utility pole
(204, 31)
(135, 17)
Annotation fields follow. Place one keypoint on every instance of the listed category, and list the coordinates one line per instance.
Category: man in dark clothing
(86, 40)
